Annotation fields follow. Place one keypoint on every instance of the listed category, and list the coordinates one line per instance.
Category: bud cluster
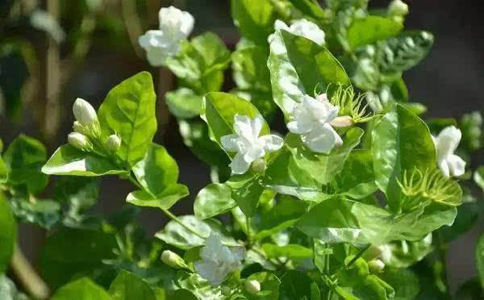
(398, 10)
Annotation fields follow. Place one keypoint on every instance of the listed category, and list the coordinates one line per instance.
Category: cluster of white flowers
(302, 28)
(445, 144)
(175, 26)
(218, 261)
(314, 119)
(87, 127)
(247, 142)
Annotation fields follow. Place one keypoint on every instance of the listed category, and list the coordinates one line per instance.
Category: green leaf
(309, 7)
(406, 253)
(183, 103)
(68, 160)
(164, 200)
(81, 289)
(254, 18)
(199, 288)
(480, 259)
(201, 62)
(403, 281)
(43, 213)
(72, 252)
(129, 111)
(323, 167)
(250, 69)
(291, 251)
(368, 30)
(299, 66)
(128, 286)
(24, 158)
(3, 170)
(479, 177)
(219, 110)
(8, 233)
(213, 200)
(246, 191)
(401, 141)
(269, 286)
(298, 286)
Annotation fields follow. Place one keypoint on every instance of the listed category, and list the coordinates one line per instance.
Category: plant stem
(358, 255)
(27, 276)
(249, 234)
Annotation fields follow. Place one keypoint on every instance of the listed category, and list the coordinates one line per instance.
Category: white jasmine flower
(314, 119)
(218, 260)
(445, 144)
(175, 26)
(304, 28)
(247, 143)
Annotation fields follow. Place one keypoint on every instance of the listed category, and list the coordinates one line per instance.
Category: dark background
(449, 82)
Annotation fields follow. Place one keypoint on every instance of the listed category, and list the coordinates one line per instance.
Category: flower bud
(77, 127)
(259, 165)
(79, 141)
(398, 8)
(173, 260)
(340, 122)
(113, 142)
(226, 291)
(84, 112)
(252, 286)
(376, 265)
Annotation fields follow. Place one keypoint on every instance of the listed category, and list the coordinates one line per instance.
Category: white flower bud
(84, 112)
(77, 127)
(79, 140)
(173, 260)
(376, 265)
(252, 286)
(259, 165)
(340, 122)
(398, 8)
(113, 142)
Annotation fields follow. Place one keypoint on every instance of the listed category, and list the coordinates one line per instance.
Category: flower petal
(444, 167)
(447, 141)
(256, 125)
(272, 142)
(457, 166)
(239, 165)
(230, 142)
(320, 139)
(253, 153)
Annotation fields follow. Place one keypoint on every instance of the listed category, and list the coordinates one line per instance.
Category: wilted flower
(175, 26)
(217, 261)
(303, 28)
(113, 142)
(79, 141)
(247, 143)
(445, 144)
(252, 286)
(314, 119)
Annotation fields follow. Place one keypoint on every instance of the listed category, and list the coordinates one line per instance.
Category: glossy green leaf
(219, 110)
(183, 103)
(323, 167)
(24, 158)
(368, 30)
(68, 160)
(8, 233)
(246, 191)
(213, 200)
(254, 18)
(404, 281)
(129, 111)
(199, 288)
(401, 141)
(298, 286)
(72, 252)
(299, 66)
(291, 251)
(165, 200)
(128, 286)
(250, 69)
(81, 289)
(269, 286)
(406, 253)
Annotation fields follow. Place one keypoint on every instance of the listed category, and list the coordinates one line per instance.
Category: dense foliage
(355, 196)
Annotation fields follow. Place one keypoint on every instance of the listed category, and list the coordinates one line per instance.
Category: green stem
(249, 234)
(358, 255)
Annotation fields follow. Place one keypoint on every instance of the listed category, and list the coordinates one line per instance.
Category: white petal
(337, 139)
(308, 30)
(447, 141)
(299, 127)
(230, 142)
(457, 166)
(239, 165)
(253, 153)
(257, 124)
(320, 140)
(272, 142)
(444, 167)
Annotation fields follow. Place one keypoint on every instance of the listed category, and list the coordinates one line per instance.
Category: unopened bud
(398, 8)
(79, 141)
(84, 112)
(252, 286)
(340, 122)
(226, 291)
(259, 165)
(173, 260)
(113, 142)
(372, 253)
(376, 265)
(77, 127)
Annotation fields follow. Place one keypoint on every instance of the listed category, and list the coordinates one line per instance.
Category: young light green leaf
(291, 251)
(8, 233)
(165, 200)
(401, 141)
(299, 66)
(184, 103)
(81, 289)
(213, 200)
(129, 111)
(68, 160)
(128, 286)
(254, 18)
(368, 30)
(24, 158)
